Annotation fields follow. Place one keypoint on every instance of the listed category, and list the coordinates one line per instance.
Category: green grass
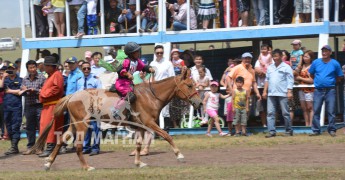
(201, 142)
(203, 171)
(196, 172)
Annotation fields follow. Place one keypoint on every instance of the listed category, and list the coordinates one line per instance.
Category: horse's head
(186, 89)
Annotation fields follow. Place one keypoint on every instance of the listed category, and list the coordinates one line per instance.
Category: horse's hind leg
(168, 138)
(139, 142)
(50, 160)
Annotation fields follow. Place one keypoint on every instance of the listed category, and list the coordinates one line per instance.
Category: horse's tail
(58, 110)
(61, 106)
(41, 141)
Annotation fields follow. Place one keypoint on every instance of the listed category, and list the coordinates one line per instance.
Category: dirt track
(303, 154)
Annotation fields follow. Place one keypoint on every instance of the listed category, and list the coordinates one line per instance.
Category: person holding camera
(32, 85)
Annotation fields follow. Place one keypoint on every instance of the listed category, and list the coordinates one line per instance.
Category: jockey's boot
(14, 147)
(119, 108)
(48, 151)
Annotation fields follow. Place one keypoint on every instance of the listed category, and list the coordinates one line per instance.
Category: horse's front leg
(81, 132)
(139, 142)
(168, 138)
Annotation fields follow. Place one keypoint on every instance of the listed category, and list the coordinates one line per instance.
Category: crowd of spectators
(270, 80)
(121, 16)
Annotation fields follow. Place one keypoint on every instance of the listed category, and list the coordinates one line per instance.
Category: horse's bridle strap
(190, 96)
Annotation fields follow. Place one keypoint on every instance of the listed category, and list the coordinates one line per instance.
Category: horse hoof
(47, 166)
(141, 165)
(180, 158)
(90, 168)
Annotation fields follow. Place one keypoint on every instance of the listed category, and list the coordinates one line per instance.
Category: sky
(10, 13)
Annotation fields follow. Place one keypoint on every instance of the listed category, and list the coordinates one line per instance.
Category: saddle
(130, 95)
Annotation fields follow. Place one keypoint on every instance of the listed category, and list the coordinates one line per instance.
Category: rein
(188, 97)
(152, 91)
(178, 88)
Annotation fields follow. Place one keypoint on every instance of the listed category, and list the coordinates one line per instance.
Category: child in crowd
(92, 17)
(207, 11)
(211, 105)
(199, 62)
(176, 61)
(227, 102)
(296, 54)
(49, 12)
(286, 57)
(149, 17)
(265, 58)
(240, 99)
(202, 81)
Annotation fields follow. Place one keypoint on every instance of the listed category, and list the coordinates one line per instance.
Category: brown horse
(93, 103)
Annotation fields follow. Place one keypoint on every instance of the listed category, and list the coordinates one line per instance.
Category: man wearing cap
(247, 72)
(32, 84)
(326, 72)
(128, 18)
(74, 75)
(277, 91)
(90, 81)
(51, 92)
(40, 67)
(12, 106)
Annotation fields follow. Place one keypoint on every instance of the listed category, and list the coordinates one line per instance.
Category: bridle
(189, 97)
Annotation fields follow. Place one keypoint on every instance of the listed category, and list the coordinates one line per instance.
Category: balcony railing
(162, 19)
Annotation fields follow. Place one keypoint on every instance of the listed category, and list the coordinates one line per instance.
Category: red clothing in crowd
(50, 94)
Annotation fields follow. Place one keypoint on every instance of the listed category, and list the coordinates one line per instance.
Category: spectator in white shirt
(180, 17)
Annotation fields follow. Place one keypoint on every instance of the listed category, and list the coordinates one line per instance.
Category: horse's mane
(156, 82)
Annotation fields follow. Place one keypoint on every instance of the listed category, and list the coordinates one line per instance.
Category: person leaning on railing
(111, 17)
(127, 19)
(180, 17)
(74, 7)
